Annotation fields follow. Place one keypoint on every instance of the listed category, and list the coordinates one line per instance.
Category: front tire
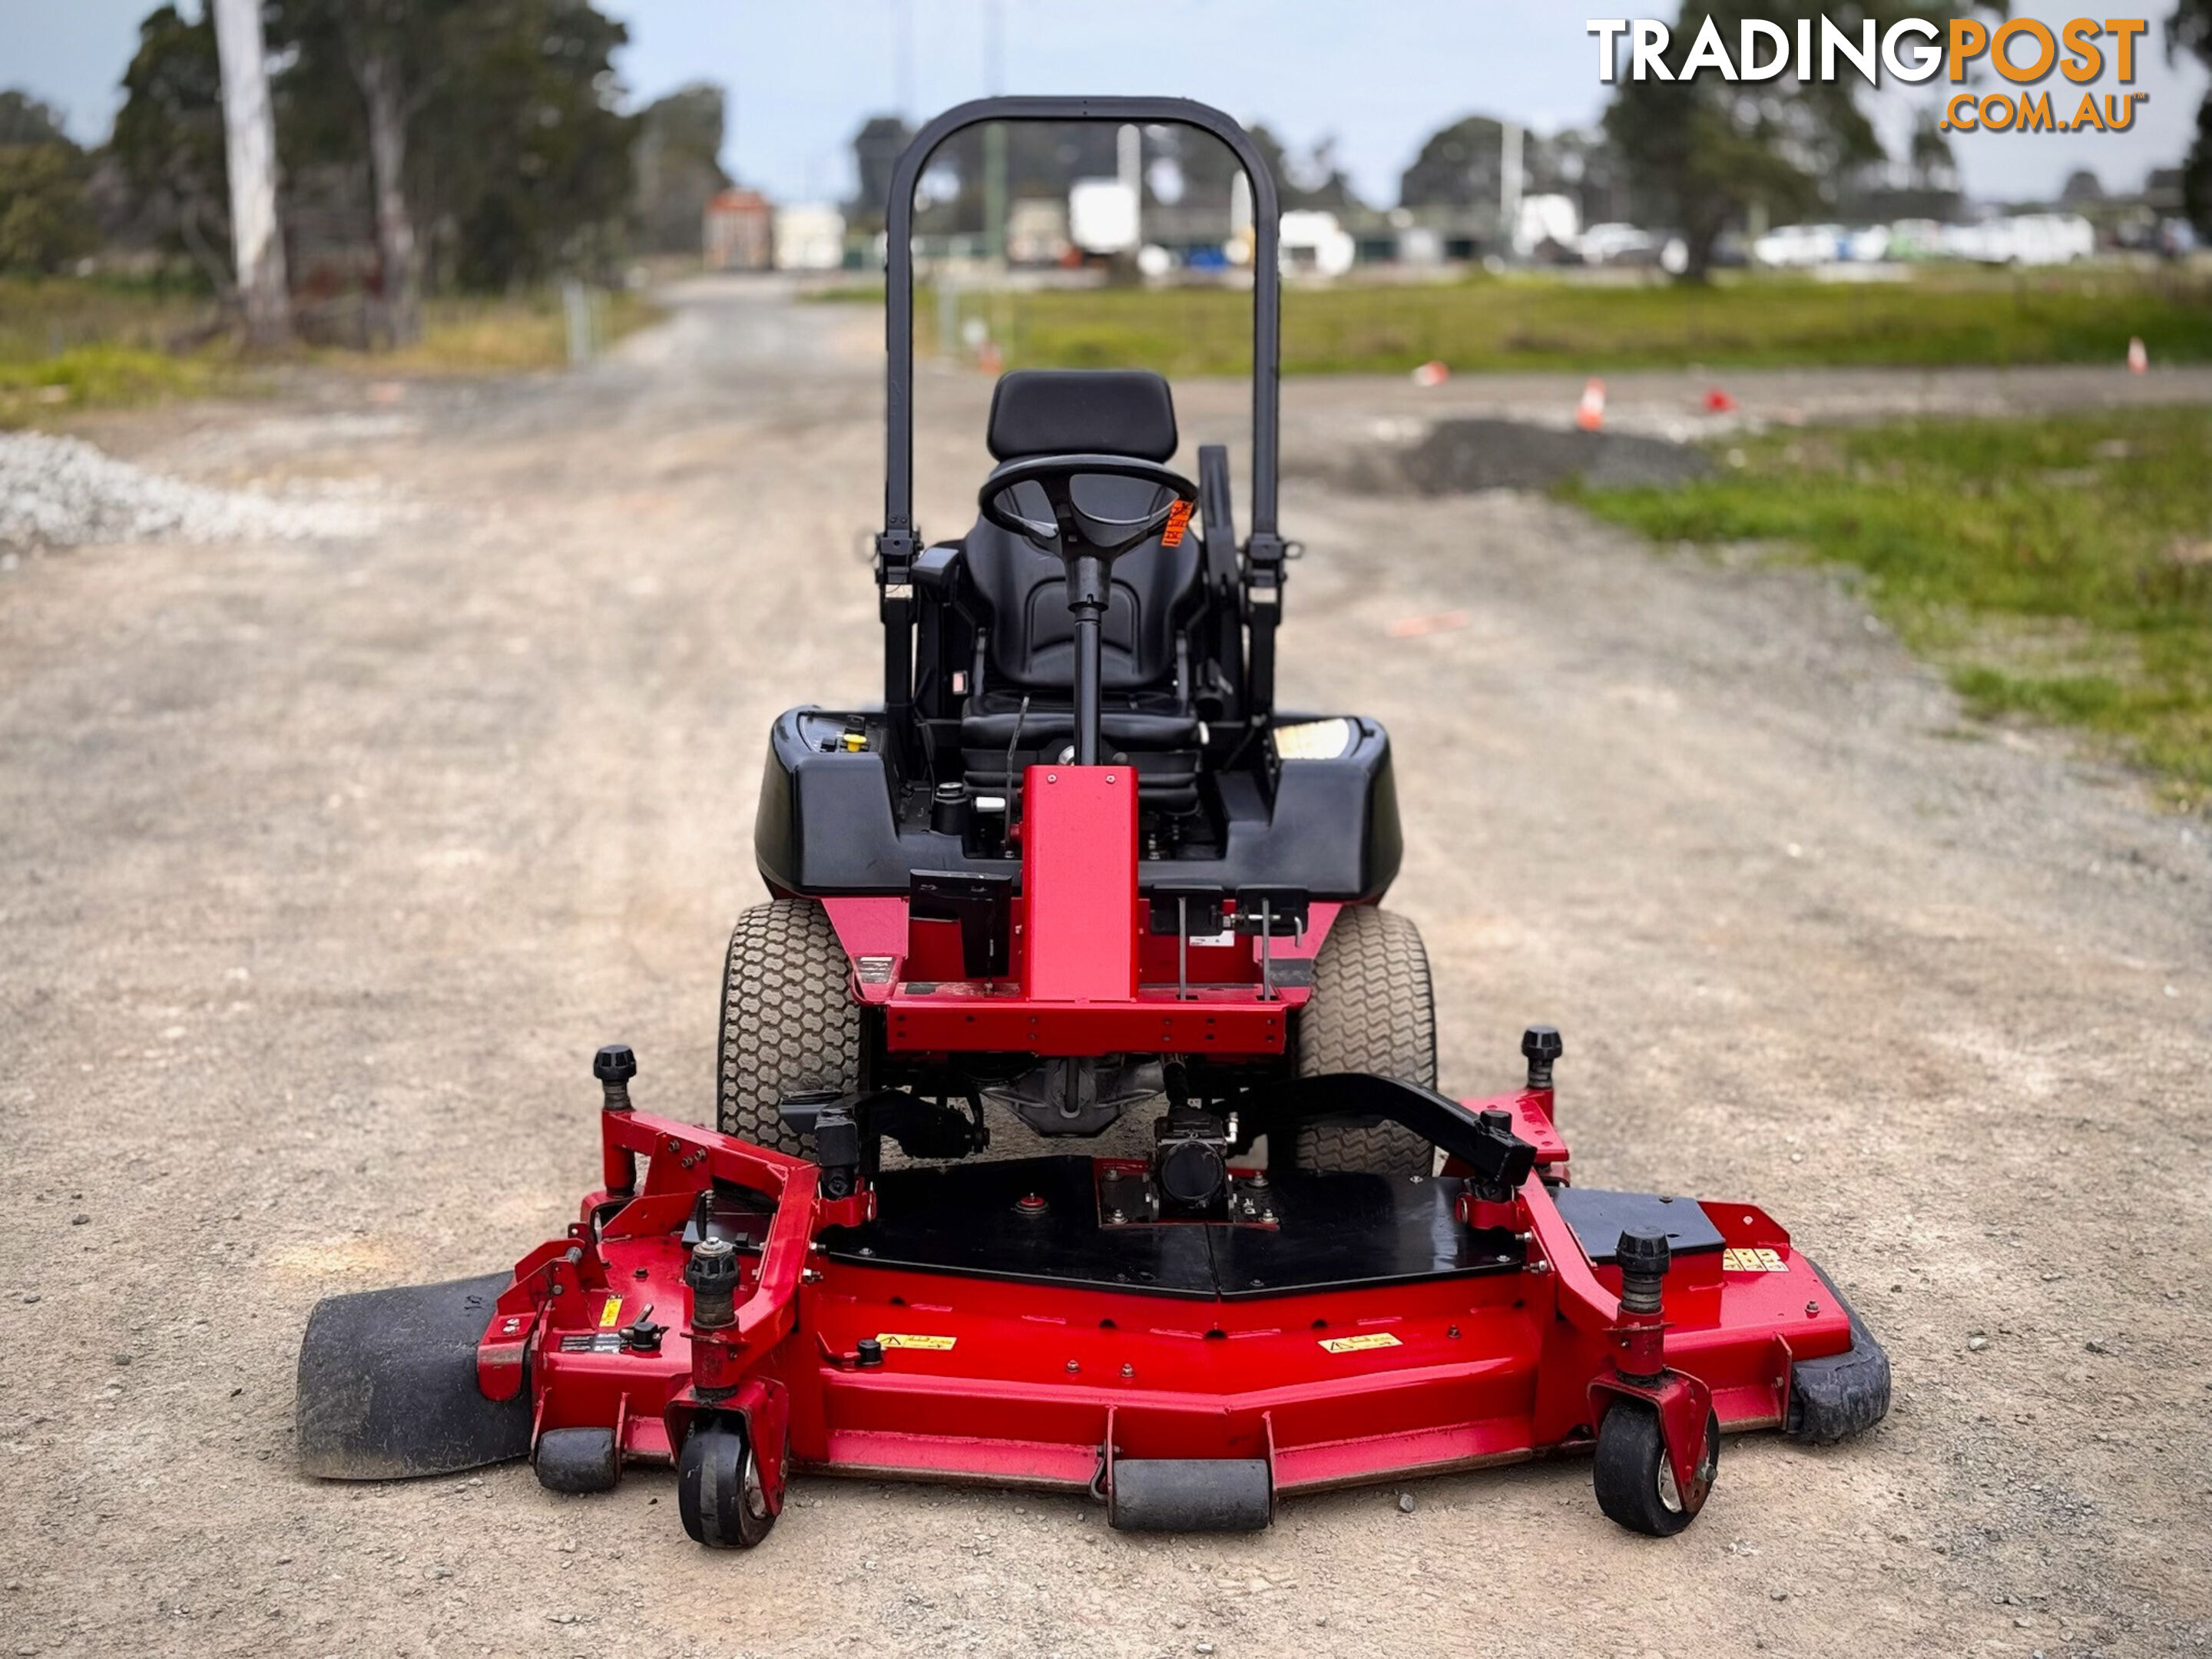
(718, 1492)
(789, 1021)
(1636, 1485)
(1372, 1009)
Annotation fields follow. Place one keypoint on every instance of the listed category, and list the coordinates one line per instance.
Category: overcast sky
(1378, 78)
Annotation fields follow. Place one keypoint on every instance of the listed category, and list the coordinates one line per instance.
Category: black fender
(388, 1384)
(1844, 1393)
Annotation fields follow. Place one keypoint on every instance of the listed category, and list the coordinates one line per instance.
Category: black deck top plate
(1335, 1231)
(1599, 1219)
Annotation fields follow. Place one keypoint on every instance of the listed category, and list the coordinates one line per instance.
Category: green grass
(466, 334)
(1539, 322)
(2057, 568)
(70, 343)
(43, 317)
(102, 376)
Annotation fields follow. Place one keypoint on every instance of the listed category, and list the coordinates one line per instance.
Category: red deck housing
(983, 1379)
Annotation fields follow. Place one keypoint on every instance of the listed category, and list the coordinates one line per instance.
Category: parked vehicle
(2024, 239)
(1618, 244)
(1798, 246)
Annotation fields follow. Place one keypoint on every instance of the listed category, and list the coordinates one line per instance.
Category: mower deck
(1322, 1330)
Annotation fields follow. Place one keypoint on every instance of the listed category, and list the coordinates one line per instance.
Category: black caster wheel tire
(1636, 1485)
(718, 1488)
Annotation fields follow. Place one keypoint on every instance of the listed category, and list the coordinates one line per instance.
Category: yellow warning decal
(1358, 1344)
(611, 1313)
(1752, 1261)
(934, 1344)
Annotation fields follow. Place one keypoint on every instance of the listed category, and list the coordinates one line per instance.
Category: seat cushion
(1161, 748)
(1123, 728)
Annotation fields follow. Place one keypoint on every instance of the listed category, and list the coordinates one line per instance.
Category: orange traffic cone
(1433, 373)
(2138, 359)
(1717, 402)
(1589, 414)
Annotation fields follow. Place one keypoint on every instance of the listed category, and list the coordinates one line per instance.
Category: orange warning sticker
(1178, 521)
(611, 1313)
(908, 1339)
(1359, 1344)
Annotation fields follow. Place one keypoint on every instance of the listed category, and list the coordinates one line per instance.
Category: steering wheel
(1076, 528)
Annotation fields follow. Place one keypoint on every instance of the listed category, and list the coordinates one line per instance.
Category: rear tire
(789, 1021)
(1372, 1010)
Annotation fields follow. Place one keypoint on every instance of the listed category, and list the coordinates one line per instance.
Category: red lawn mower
(1077, 870)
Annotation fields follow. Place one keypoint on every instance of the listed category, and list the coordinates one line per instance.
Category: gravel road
(325, 863)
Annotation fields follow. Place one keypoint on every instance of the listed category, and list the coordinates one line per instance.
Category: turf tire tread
(1372, 1009)
(788, 1019)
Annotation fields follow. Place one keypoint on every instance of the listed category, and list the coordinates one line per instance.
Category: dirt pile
(1460, 455)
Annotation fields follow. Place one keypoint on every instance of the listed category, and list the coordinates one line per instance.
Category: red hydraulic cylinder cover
(1079, 882)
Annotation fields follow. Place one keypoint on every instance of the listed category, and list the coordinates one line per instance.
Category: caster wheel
(1635, 1482)
(719, 1491)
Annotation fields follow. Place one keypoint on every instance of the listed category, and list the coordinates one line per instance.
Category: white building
(1544, 219)
(1103, 215)
(809, 236)
(1314, 243)
(1036, 232)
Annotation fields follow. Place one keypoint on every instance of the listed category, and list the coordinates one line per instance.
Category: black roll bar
(898, 546)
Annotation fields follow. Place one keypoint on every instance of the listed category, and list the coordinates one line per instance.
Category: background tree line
(425, 145)
(1701, 158)
(433, 145)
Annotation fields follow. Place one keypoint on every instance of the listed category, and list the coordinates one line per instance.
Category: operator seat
(1025, 636)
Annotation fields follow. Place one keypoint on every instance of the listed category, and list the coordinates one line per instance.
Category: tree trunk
(250, 148)
(395, 229)
(1698, 240)
(196, 244)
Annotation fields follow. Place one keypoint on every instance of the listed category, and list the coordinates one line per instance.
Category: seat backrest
(1030, 638)
(1082, 412)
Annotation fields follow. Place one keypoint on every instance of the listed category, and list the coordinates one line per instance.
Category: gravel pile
(62, 492)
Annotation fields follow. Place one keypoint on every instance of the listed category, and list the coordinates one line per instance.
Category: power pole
(250, 136)
(994, 136)
(1508, 185)
(903, 59)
